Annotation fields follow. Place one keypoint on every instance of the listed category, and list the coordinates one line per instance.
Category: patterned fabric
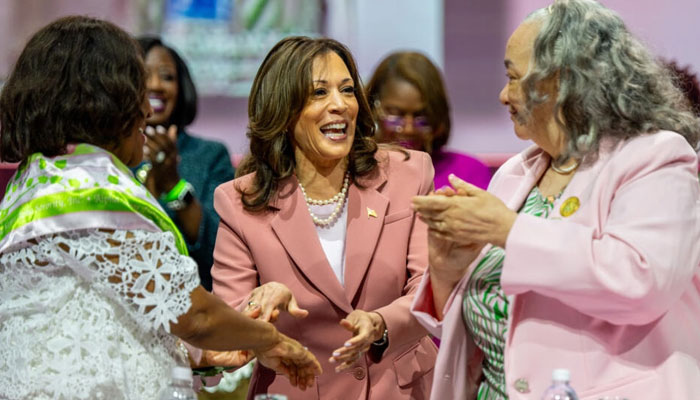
(91, 275)
(86, 188)
(485, 306)
(205, 164)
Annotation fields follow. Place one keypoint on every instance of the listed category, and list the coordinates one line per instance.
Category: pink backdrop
(475, 35)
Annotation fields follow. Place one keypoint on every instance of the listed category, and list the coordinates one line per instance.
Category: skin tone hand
(287, 357)
(234, 358)
(448, 262)
(366, 327)
(272, 298)
(163, 176)
(466, 214)
(290, 358)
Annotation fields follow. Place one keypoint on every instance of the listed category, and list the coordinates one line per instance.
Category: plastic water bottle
(560, 389)
(180, 387)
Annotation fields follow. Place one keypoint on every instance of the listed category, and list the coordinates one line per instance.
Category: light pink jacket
(611, 292)
(386, 255)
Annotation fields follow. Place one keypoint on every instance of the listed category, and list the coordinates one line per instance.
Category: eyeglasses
(396, 123)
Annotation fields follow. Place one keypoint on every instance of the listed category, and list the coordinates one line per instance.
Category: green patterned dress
(485, 307)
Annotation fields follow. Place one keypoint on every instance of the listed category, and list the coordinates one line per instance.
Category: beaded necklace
(338, 199)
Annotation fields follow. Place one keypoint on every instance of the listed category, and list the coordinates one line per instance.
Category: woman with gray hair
(583, 253)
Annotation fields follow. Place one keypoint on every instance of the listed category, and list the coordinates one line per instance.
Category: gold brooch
(569, 206)
(371, 213)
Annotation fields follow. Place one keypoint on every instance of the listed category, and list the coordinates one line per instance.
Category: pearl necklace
(564, 170)
(338, 199)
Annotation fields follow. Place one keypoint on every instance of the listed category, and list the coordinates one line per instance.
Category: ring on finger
(160, 157)
(252, 303)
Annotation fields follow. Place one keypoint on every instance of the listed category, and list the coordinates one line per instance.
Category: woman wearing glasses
(409, 99)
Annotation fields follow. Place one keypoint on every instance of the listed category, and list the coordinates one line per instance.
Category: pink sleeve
(234, 273)
(401, 325)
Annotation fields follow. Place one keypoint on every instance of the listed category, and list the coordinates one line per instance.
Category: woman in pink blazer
(584, 252)
(318, 231)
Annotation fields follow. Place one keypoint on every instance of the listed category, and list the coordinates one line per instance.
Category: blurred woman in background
(410, 103)
(181, 170)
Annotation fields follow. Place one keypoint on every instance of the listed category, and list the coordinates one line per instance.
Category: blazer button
(522, 385)
(359, 373)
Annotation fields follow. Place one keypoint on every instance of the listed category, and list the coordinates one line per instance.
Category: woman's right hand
(449, 260)
(289, 357)
(272, 298)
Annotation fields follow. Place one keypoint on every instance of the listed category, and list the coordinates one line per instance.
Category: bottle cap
(561, 375)
(182, 373)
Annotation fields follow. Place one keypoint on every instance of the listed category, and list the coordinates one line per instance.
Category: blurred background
(224, 41)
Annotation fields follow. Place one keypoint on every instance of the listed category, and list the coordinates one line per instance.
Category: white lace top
(85, 314)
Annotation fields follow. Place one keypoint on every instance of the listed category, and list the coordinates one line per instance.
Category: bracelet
(174, 193)
(383, 341)
(180, 196)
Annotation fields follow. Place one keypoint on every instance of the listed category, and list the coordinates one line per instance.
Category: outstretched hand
(366, 327)
(290, 358)
(272, 298)
(466, 214)
(233, 358)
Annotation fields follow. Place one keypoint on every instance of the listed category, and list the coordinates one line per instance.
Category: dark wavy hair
(78, 79)
(419, 71)
(280, 92)
(186, 104)
(609, 83)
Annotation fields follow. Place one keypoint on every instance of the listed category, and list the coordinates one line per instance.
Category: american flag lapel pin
(371, 213)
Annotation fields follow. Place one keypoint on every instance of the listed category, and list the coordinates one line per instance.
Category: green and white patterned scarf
(87, 188)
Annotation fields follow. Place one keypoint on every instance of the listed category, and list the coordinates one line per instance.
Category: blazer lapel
(366, 210)
(513, 190)
(297, 233)
(514, 187)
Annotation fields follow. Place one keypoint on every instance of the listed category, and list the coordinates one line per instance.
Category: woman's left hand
(367, 327)
(466, 214)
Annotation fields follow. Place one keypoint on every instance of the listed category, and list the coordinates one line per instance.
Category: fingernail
(332, 360)
(160, 129)
(347, 344)
(336, 354)
(150, 131)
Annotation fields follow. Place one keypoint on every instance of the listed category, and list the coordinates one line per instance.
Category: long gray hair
(609, 83)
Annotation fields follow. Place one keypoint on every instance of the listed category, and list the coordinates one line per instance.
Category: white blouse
(85, 314)
(332, 237)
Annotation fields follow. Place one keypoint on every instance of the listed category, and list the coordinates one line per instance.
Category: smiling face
(161, 84)
(517, 62)
(539, 125)
(325, 130)
(403, 114)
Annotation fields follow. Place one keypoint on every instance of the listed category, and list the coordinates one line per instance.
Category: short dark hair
(78, 79)
(416, 69)
(280, 92)
(186, 105)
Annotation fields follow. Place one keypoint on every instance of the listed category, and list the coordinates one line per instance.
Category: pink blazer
(611, 292)
(386, 256)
